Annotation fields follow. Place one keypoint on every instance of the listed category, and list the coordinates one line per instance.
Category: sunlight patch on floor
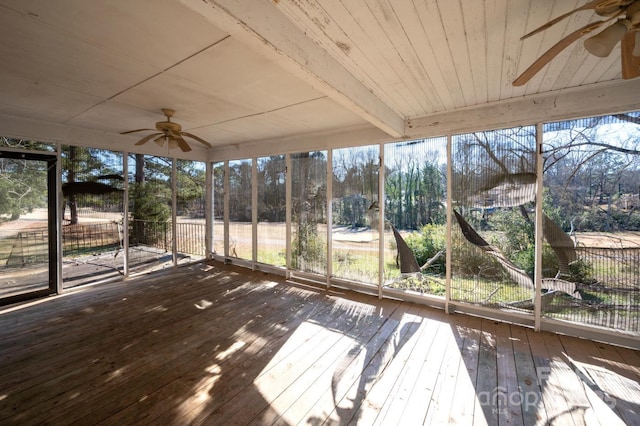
(191, 407)
(290, 366)
(203, 304)
(158, 308)
(115, 374)
(236, 346)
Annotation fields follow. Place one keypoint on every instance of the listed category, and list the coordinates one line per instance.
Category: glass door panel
(27, 226)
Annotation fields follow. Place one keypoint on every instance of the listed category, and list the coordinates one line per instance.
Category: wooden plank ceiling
(239, 72)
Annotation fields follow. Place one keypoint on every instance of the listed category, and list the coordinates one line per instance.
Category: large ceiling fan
(170, 132)
(625, 29)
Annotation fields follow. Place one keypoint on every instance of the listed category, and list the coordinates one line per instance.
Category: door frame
(52, 229)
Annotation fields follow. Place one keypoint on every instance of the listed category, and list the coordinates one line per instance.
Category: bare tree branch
(601, 145)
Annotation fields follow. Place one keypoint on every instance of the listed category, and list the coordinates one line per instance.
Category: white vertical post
(380, 213)
(59, 209)
(254, 212)
(288, 204)
(226, 209)
(208, 210)
(174, 207)
(125, 214)
(447, 298)
(539, 235)
(329, 216)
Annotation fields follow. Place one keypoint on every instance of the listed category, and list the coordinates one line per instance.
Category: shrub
(308, 246)
(426, 243)
(581, 271)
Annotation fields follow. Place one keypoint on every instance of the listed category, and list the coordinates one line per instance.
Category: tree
(23, 183)
(150, 195)
(308, 181)
(23, 186)
(26, 144)
(271, 189)
(355, 184)
(590, 165)
(240, 191)
(82, 169)
(415, 185)
(190, 184)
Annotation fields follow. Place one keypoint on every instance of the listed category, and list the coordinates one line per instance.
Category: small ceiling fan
(626, 29)
(169, 132)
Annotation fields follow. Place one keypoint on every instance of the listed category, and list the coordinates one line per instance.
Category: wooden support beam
(601, 99)
(260, 25)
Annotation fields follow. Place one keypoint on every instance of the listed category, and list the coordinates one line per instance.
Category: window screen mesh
(591, 187)
(355, 189)
(190, 204)
(309, 212)
(240, 227)
(93, 182)
(272, 208)
(218, 208)
(493, 193)
(150, 238)
(415, 213)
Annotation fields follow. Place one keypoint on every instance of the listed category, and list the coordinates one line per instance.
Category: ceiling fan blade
(184, 146)
(630, 63)
(202, 141)
(590, 5)
(147, 138)
(137, 130)
(554, 51)
(160, 140)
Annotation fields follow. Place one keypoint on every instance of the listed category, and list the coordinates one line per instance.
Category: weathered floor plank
(214, 344)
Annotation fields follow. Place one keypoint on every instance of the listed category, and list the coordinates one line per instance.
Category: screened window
(150, 238)
(355, 190)
(309, 212)
(190, 209)
(240, 226)
(415, 215)
(493, 246)
(92, 235)
(272, 208)
(592, 249)
(218, 208)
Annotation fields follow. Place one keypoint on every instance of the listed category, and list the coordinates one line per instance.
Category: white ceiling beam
(587, 101)
(260, 25)
(29, 129)
(363, 135)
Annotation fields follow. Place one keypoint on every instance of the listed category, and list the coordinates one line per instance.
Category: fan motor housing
(165, 126)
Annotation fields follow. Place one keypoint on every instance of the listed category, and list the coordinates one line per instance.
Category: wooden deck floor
(218, 345)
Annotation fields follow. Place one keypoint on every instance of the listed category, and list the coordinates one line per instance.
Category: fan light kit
(625, 29)
(170, 132)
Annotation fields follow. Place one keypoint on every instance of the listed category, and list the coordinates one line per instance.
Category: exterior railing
(31, 247)
(190, 237)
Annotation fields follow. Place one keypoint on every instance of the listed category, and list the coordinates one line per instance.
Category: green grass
(361, 268)
(271, 257)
